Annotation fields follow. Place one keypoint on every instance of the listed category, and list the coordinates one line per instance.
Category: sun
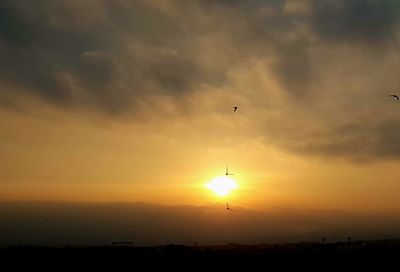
(222, 186)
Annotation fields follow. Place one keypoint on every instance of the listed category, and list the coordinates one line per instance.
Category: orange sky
(65, 157)
(133, 102)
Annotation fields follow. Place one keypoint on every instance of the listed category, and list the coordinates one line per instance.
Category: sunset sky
(132, 101)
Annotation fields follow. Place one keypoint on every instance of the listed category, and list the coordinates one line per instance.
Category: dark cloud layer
(41, 46)
(108, 55)
(40, 42)
(145, 224)
(355, 20)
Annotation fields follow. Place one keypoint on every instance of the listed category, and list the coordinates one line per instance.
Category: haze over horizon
(132, 101)
(143, 224)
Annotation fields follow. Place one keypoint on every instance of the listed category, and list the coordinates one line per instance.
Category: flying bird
(227, 207)
(227, 172)
(235, 108)
(395, 96)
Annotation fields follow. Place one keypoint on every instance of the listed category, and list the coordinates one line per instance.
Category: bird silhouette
(395, 96)
(235, 108)
(227, 207)
(227, 172)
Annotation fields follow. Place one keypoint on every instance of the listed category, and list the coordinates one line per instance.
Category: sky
(131, 102)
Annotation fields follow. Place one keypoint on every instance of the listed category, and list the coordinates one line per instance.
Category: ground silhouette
(349, 254)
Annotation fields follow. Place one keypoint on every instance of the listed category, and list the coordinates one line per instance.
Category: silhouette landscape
(162, 236)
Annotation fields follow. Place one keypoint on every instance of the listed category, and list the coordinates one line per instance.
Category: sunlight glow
(222, 185)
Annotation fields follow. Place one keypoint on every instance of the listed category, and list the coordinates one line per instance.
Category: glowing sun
(222, 185)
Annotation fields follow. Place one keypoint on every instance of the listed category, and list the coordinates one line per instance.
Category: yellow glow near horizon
(222, 186)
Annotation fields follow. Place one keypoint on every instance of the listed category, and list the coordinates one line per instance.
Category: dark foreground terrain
(359, 254)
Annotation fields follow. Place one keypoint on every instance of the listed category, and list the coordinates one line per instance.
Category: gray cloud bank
(61, 224)
(334, 62)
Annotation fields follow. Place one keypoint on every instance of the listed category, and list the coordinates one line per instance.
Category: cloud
(320, 64)
(102, 62)
(356, 20)
(150, 225)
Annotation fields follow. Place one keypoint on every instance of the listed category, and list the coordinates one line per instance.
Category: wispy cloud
(323, 68)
